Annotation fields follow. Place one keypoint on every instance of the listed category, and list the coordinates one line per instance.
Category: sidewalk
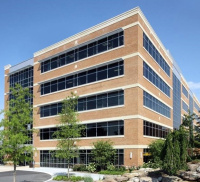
(52, 171)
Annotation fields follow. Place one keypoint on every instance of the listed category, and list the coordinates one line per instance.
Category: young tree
(171, 153)
(69, 130)
(103, 153)
(188, 122)
(15, 134)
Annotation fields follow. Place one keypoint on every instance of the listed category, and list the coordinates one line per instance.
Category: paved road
(24, 176)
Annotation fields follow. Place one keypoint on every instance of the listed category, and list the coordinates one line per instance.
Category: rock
(192, 167)
(131, 175)
(148, 179)
(109, 180)
(198, 169)
(171, 179)
(111, 176)
(135, 179)
(191, 176)
(121, 178)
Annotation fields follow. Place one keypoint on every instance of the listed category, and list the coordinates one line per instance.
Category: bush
(79, 167)
(131, 168)
(112, 172)
(91, 167)
(121, 168)
(151, 165)
(110, 167)
(65, 178)
(88, 179)
(102, 153)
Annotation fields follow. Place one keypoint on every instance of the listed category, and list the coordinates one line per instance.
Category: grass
(112, 172)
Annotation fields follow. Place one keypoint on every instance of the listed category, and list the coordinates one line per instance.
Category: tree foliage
(103, 153)
(69, 130)
(156, 151)
(188, 122)
(15, 134)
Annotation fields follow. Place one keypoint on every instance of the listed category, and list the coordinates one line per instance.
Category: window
(184, 106)
(101, 73)
(48, 159)
(110, 128)
(155, 79)
(154, 130)
(88, 103)
(101, 45)
(196, 106)
(147, 44)
(154, 104)
(185, 92)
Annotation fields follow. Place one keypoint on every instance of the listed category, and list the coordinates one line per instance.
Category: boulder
(109, 180)
(191, 176)
(131, 175)
(121, 179)
(192, 167)
(135, 179)
(148, 179)
(198, 169)
(171, 179)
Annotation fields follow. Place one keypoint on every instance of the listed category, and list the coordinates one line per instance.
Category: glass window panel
(61, 84)
(69, 82)
(62, 60)
(70, 57)
(82, 104)
(92, 76)
(113, 70)
(102, 45)
(102, 73)
(91, 103)
(54, 86)
(102, 101)
(83, 52)
(92, 49)
(81, 78)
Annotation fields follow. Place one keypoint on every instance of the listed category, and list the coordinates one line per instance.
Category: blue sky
(27, 26)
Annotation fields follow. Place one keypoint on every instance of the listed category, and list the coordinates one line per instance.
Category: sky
(27, 26)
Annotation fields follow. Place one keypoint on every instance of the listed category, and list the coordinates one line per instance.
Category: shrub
(102, 153)
(131, 168)
(121, 168)
(65, 178)
(79, 167)
(88, 179)
(91, 167)
(151, 165)
(110, 167)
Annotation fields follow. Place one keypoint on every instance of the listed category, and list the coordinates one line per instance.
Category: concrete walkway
(52, 171)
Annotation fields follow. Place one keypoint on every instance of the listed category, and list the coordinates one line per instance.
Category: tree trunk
(14, 175)
(68, 169)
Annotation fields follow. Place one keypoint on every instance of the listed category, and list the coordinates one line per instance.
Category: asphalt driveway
(24, 176)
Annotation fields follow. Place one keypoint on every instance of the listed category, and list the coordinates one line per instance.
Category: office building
(131, 91)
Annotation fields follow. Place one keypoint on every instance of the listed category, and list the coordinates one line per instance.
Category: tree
(188, 122)
(103, 153)
(174, 153)
(15, 134)
(171, 150)
(69, 130)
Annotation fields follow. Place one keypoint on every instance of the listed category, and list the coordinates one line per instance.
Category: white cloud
(194, 86)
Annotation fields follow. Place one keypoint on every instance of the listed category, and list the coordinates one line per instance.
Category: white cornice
(7, 67)
(111, 119)
(91, 147)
